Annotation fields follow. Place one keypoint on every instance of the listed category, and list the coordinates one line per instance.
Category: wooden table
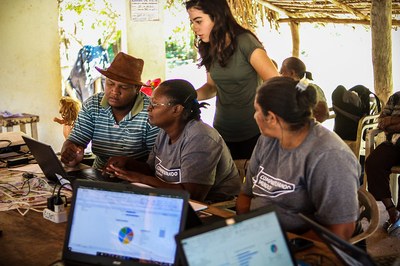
(33, 240)
(30, 239)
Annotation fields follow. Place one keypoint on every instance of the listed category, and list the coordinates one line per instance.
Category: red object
(149, 86)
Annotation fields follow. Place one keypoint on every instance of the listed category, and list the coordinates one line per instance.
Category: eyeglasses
(153, 105)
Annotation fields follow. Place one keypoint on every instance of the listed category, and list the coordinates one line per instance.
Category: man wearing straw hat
(116, 120)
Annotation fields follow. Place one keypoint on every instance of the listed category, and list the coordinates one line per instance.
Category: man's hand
(71, 154)
(384, 122)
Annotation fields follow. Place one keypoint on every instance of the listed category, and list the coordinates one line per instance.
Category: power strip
(59, 215)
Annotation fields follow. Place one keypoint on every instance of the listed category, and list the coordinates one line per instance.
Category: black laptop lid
(46, 158)
(344, 251)
(254, 238)
(121, 224)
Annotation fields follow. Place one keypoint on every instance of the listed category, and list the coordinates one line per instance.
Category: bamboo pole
(294, 29)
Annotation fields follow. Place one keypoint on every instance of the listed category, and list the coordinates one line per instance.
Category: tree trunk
(381, 25)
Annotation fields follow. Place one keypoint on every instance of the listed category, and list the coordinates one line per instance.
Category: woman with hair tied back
(236, 64)
(188, 154)
(298, 165)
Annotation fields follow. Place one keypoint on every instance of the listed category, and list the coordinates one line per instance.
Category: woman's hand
(121, 173)
(118, 161)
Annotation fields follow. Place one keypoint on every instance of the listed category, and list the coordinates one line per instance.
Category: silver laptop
(52, 166)
(121, 224)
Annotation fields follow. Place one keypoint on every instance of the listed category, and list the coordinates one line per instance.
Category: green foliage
(79, 19)
(179, 44)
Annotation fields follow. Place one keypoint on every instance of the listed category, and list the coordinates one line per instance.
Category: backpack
(350, 106)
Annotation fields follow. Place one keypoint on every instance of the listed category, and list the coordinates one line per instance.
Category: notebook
(52, 166)
(346, 252)
(122, 224)
(254, 238)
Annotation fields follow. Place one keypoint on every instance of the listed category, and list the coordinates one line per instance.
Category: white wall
(146, 41)
(30, 67)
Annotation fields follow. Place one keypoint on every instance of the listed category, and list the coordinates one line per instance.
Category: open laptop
(254, 238)
(345, 251)
(52, 166)
(122, 224)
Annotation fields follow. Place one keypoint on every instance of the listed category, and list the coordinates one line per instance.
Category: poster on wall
(145, 10)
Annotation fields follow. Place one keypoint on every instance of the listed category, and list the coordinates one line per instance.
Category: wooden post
(294, 28)
(381, 35)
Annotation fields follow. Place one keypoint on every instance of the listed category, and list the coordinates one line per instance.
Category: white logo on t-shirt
(265, 185)
(167, 175)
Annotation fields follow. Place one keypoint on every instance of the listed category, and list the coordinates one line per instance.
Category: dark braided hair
(182, 92)
(282, 96)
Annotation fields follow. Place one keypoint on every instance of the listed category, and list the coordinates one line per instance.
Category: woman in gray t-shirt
(298, 165)
(188, 154)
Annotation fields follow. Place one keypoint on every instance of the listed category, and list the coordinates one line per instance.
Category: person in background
(236, 63)
(295, 68)
(298, 165)
(188, 154)
(116, 120)
(383, 158)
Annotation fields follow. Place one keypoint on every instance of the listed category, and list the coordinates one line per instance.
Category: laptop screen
(121, 224)
(255, 238)
(46, 158)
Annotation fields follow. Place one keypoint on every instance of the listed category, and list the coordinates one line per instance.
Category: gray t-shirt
(199, 156)
(319, 178)
(236, 89)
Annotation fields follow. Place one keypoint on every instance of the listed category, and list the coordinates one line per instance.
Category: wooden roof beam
(331, 20)
(349, 9)
(276, 9)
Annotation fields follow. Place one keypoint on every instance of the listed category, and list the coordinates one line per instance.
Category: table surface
(33, 240)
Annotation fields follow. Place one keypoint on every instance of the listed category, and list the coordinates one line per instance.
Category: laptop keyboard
(91, 174)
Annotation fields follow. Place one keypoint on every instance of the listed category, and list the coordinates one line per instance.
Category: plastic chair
(366, 123)
(369, 215)
(374, 138)
(241, 165)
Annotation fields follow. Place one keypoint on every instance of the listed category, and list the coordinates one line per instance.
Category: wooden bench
(21, 120)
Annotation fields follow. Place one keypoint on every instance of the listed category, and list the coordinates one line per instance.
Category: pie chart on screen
(125, 235)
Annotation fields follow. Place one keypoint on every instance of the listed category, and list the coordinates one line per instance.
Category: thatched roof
(322, 11)
(327, 11)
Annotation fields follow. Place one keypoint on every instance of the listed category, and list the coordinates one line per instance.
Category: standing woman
(236, 64)
(298, 165)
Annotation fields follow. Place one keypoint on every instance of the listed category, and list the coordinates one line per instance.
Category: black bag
(350, 106)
